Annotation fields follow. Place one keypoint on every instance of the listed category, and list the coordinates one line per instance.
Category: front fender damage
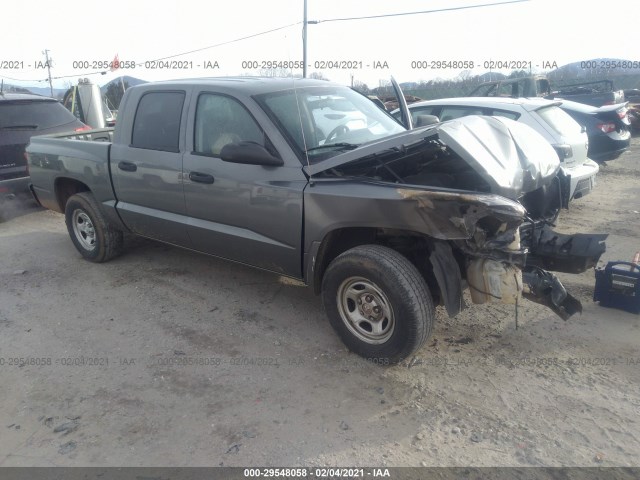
(496, 262)
(447, 274)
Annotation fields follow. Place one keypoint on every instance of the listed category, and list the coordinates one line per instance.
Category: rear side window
(559, 121)
(449, 113)
(33, 115)
(157, 122)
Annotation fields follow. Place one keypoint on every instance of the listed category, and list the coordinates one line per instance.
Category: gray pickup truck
(312, 180)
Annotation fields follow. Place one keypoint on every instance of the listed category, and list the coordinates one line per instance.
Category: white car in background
(334, 116)
(566, 136)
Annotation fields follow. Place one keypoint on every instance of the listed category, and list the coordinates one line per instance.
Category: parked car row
(608, 128)
(595, 93)
(578, 172)
(581, 134)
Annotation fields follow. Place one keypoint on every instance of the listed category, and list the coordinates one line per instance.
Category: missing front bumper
(543, 287)
(562, 253)
(492, 281)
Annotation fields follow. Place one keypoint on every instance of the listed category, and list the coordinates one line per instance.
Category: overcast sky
(536, 31)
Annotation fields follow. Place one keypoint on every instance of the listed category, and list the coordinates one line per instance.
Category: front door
(247, 213)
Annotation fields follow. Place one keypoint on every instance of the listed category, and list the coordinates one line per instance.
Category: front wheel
(89, 230)
(378, 303)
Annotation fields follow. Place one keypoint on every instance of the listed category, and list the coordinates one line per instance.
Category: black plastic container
(618, 286)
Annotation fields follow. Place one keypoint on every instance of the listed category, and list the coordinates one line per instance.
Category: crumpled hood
(512, 157)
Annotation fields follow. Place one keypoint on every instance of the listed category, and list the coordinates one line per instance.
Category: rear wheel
(378, 303)
(90, 232)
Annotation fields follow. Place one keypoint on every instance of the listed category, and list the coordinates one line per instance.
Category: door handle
(127, 166)
(201, 177)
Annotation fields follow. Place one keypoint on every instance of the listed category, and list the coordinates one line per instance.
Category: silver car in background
(566, 136)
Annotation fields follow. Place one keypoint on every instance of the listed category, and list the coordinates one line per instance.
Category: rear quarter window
(34, 115)
(506, 114)
(560, 121)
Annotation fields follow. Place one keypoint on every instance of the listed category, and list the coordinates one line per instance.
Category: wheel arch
(438, 261)
(65, 187)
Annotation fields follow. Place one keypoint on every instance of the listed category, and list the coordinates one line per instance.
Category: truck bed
(77, 156)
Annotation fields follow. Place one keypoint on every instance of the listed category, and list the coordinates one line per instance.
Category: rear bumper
(582, 178)
(14, 186)
(609, 147)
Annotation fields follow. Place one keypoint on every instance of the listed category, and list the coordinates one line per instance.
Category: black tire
(89, 230)
(381, 278)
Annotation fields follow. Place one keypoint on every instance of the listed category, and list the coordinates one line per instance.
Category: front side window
(157, 122)
(221, 120)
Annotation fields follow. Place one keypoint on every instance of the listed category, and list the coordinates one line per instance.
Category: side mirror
(249, 153)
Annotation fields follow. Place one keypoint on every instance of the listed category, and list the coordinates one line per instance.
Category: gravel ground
(164, 357)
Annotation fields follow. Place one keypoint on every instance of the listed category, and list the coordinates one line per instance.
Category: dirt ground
(164, 357)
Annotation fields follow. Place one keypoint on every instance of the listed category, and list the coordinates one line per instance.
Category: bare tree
(317, 76)
(361, 87)
(276, 72)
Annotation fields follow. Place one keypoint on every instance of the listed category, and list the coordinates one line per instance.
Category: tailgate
(12, 161)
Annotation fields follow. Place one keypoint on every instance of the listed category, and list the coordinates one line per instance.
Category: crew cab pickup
(312, 180)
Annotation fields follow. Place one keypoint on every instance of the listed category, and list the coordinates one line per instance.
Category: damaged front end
(497, 267)
(503, 273)
(486, 192)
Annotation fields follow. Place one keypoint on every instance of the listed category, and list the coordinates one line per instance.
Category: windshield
(321, 122)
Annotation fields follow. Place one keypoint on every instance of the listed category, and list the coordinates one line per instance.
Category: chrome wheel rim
(84, 230)
(365, 310)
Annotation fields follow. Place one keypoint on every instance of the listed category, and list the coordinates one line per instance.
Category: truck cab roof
(246, 85)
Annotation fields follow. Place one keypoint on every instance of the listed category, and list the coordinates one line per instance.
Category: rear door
(247, 213)
(146, 167)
